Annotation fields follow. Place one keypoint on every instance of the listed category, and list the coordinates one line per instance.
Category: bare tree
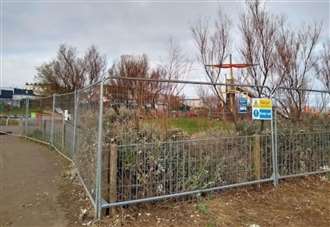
(259, 31)
(208, 100)
(49, 82)
(138, 91)
(323, 71)
(69, 68)
(296, 62)
(176, 66)
(130, 66)
(68, 71)
(321, 102)
(323, 66)
(95, 64)
(213, 44)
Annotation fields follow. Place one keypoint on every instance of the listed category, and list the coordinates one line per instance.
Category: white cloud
(20, 69)
(33, 31)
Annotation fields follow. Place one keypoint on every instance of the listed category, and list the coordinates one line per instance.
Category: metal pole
(189, 82)
(273, 149)
(231, 69)
(26, 116)
(99, 156)
(63, 132)
(210, 83)
(276, 146)
(76, 97)
(53, 121)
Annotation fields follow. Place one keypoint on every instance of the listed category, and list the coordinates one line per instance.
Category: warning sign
(262, 109)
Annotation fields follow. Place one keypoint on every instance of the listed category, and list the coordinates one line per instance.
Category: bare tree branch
(296, 62)
(259, 31)
(68, 71)
(213, 44)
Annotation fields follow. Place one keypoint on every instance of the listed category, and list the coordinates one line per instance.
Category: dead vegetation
(295, 202)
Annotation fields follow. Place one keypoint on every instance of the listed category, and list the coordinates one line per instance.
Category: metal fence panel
(303, 132)
(63, 122)
(133, 142)
(87, 137)
(12, 115)
(156, 169)
(38, 118)
(160, 151)
(303, 153)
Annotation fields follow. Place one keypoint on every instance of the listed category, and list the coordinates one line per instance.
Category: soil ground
(32, 186)
(36, 189)
(296, 202)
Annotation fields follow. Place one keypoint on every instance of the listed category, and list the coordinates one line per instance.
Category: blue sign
(262, 109)
(256, 113)
(243, 102)
(262, 114)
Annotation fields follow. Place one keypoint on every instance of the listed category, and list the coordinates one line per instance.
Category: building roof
(9, 93)
(18, 91)
(6, 94)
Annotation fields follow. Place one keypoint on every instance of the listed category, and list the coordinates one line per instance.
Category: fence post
(257, 158)
(63, 133)
(109, 178)
(52, 122)
(113, 174)
(274, 151)
(98, 196)
(276, 145)
(75, 122)
(26, 116)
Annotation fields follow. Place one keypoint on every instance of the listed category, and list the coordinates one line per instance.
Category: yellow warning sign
(262, 109)
(262, 103)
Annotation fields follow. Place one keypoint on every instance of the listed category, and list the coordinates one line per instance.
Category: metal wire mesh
(63, 123)
(12, 115)
(168, 140)
(303, 153)
(145, 140)
(303, 132)
(38, 120)
(155, 169)
(87, 136)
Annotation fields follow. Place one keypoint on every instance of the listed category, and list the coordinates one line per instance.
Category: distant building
(6, 94)
(19, 94)
(14, 96)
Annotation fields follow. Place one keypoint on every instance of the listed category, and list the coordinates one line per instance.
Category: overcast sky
(32, 31)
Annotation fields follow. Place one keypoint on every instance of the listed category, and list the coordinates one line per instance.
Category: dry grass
(191, 125)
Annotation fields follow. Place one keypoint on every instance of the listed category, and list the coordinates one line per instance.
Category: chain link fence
(140, 140)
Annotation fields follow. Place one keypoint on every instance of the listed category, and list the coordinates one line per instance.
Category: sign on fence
(243, 102)
(262, 109)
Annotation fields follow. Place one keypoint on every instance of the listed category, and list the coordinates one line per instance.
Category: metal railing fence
(132, 145)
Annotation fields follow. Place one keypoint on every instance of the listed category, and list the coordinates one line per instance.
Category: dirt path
(30, 176)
